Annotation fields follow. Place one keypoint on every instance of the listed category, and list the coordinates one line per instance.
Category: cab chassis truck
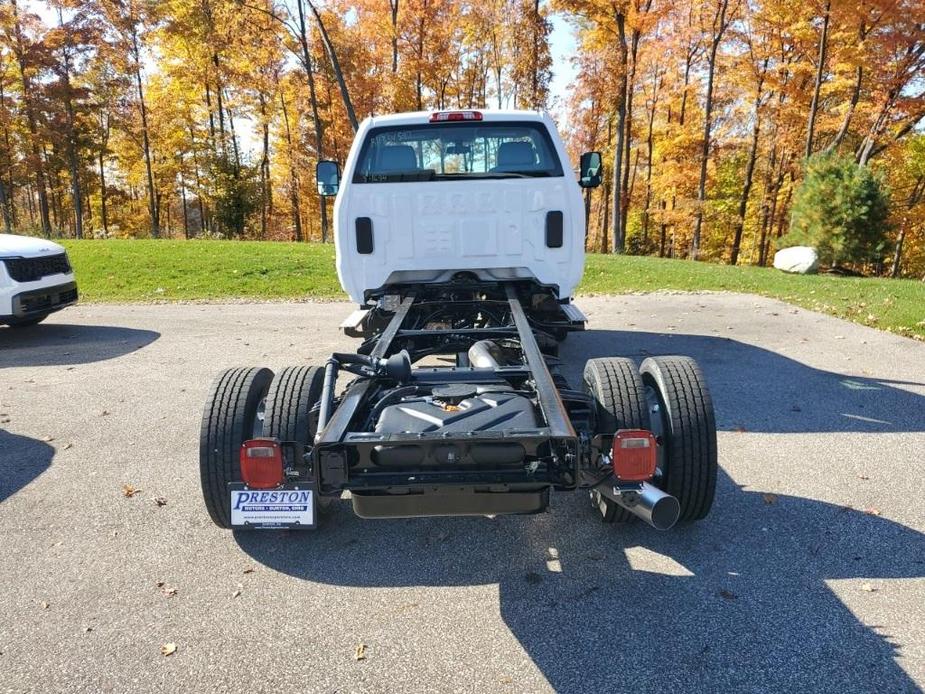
(457, 403)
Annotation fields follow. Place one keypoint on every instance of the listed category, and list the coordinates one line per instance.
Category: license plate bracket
(292, 506)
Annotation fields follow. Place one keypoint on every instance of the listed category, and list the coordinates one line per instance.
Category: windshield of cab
(456, 151)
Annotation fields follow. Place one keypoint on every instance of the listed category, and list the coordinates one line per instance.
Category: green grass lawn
(122, 271)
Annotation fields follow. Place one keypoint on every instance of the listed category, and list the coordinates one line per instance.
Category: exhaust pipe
(651, 504)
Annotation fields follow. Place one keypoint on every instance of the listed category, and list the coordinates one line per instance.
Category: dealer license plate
(289, 507)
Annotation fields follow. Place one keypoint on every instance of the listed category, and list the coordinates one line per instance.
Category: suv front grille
(32, 269)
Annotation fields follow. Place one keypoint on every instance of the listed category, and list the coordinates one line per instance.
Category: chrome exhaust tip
(651, 504)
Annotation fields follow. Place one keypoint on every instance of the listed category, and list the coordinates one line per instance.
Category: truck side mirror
(327, 177)
(590, 170)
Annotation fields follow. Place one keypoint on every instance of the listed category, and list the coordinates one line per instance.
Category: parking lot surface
(809, 575)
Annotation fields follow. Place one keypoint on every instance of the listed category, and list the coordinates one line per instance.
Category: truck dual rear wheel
(293, 393)
(620, 398)
(681, 415)
(234, 412)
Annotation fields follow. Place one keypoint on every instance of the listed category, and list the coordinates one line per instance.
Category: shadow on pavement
(737, 602)
(759, 390)
(740, 601)
(57, 344)
(21, 460)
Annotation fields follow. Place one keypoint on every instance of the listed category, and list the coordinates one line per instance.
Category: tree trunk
(619, 241)
(104, 215)
(749, 170)
(211, 117)
(746, 190)
(152, 202)
(234, 144)
(335, 65)
(319, 132)
(914, 197)
(418, 76)
(719, 28)
(662, 233)
(650, 147)
(293, 175)
(393, 6)
(8, 192)
(855, 95)
(183, 200)
(820, 70)
(5, 205)
(628, 139)
(219, 105)
(39, 164)
(266, 197)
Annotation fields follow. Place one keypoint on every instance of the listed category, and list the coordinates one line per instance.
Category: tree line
(129, 117)
(712, 112)
(202, 118)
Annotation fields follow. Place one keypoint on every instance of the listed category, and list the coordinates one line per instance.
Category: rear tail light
(444, 116)
(262, 463)
(634, 455)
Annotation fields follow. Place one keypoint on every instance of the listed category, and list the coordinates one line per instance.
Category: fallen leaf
(863, 477)
(168, 649)
(872, 511)
(160, 500)
(770, 499)
(129, 491)
(360, 653)
(159, 584)
(868, 588)
(236, 594)
(67, 445)
(727, 594)
(249, 570)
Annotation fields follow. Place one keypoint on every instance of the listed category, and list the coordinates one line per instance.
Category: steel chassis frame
(556, 456)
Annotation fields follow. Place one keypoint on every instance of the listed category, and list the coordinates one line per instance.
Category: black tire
(688, 431)
(293, 393)
(26, 322)
(620, 399)
(231, 416)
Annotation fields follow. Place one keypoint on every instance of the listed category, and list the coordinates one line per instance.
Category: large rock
(801, 260)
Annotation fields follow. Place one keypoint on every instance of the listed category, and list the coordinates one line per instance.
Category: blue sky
(562, 47)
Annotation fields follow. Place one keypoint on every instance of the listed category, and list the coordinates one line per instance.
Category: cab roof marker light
(444, 116)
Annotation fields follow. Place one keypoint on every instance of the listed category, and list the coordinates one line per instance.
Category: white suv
(35, 280)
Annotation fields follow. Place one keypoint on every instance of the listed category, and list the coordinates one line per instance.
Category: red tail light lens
(634, 455)
(444, 116)
(262, 463)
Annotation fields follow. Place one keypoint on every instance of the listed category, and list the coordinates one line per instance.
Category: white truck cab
(425, 196)
(36, 279)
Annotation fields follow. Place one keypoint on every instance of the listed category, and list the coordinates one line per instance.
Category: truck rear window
(456, 151)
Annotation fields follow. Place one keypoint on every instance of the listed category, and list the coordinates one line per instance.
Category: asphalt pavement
(809, 575)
